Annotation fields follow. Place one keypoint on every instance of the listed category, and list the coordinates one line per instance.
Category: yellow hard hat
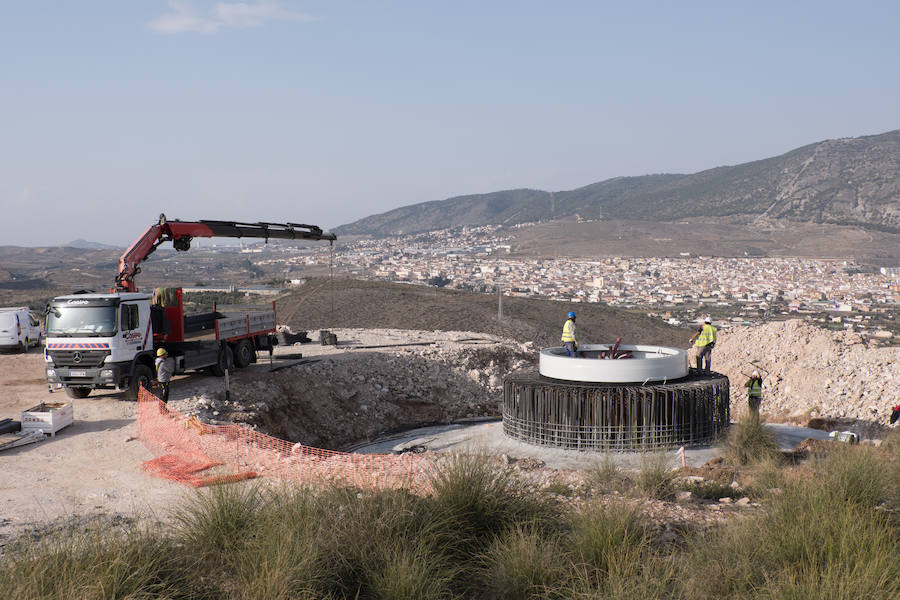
(161, 352)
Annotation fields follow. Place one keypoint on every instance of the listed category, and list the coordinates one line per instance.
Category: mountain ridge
(844, 181)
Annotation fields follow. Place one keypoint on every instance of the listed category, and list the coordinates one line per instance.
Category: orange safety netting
(186, 448)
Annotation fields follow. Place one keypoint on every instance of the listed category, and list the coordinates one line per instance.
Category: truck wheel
(142, 377)
(243, 354)
(78, 392)
(226, 361)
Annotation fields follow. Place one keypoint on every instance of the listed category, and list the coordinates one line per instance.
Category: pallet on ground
(12, 440)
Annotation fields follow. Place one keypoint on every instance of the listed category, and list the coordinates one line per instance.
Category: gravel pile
(813, 372)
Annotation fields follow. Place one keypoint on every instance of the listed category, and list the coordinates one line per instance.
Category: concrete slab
(489, 438)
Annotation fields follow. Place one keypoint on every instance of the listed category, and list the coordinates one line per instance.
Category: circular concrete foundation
(690, 411)
(645, 363)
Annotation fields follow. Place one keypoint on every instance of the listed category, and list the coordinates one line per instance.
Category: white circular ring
(649, 363)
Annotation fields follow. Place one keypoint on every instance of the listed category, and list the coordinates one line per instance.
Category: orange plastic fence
(186, 449)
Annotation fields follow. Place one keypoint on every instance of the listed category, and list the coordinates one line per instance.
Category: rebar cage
(539, 410)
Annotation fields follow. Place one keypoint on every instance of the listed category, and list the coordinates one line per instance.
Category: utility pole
(331, 277)
(500, 303)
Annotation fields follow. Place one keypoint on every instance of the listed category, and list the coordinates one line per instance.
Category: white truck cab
(95, 339)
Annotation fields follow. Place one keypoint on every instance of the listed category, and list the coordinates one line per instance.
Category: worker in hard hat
(704, 340)
(165, 367)
(754, 394)
(568, 335)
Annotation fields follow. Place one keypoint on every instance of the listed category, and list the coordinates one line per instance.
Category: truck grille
(85, 358)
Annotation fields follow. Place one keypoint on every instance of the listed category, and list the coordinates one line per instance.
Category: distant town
(681, 290)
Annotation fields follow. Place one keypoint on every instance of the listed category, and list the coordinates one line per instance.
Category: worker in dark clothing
(704, 340)
(165, 368)
(895, 415)
(754, 395)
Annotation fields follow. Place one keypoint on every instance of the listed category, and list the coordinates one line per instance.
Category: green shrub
(606, 539)
(710, 489)
(655, 576)
(749, 442)
(412, 572)
(821, 537)
(654, 479)
(523, 563)
(606, 475)
(768, 474)
(832, 532)
(559, 488)
(613, 556)
(99, 563)
(482, 500)
(282, 557)
(890, 455)
(365, 539)
(852, 474)
(218, 521)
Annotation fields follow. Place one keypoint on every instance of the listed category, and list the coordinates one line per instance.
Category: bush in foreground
(832, 532)
(749, 442)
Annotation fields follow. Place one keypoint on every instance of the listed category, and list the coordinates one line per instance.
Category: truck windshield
(81, 321)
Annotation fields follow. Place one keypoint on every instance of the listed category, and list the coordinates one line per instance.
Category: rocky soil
(812, 372)
(379, 380)
(339, 395)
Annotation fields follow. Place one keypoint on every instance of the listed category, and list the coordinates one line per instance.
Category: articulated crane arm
(180, 233)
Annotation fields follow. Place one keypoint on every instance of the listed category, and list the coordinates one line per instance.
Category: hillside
(849, 181)
(366, 304)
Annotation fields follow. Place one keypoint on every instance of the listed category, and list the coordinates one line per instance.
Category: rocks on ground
(349, 392)
(813, 372)
(379, 380)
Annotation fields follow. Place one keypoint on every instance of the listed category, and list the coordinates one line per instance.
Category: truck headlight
(106, 373)
(51, 372)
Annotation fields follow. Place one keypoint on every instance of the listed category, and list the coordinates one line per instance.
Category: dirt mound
(344, 396)
(813, 372)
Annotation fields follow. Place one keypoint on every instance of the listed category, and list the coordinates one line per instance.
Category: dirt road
(90, 467)
(94, 465)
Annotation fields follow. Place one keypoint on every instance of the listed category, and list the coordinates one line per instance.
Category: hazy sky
(325, 112)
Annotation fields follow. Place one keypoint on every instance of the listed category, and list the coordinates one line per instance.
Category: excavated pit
(338, 401)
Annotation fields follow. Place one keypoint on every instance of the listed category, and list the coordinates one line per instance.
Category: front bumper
(107, 376)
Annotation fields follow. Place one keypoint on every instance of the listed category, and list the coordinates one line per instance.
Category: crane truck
(109, 340)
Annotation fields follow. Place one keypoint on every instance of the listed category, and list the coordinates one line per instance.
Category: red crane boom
(180, 233)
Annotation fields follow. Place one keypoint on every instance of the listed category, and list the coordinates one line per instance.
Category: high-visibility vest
(755, 389)
(707, 335)
(568, 334)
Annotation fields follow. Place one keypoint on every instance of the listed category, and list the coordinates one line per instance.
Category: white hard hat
(707, 320)
(755, 373)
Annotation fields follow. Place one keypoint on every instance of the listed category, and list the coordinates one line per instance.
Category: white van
(18, 329)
